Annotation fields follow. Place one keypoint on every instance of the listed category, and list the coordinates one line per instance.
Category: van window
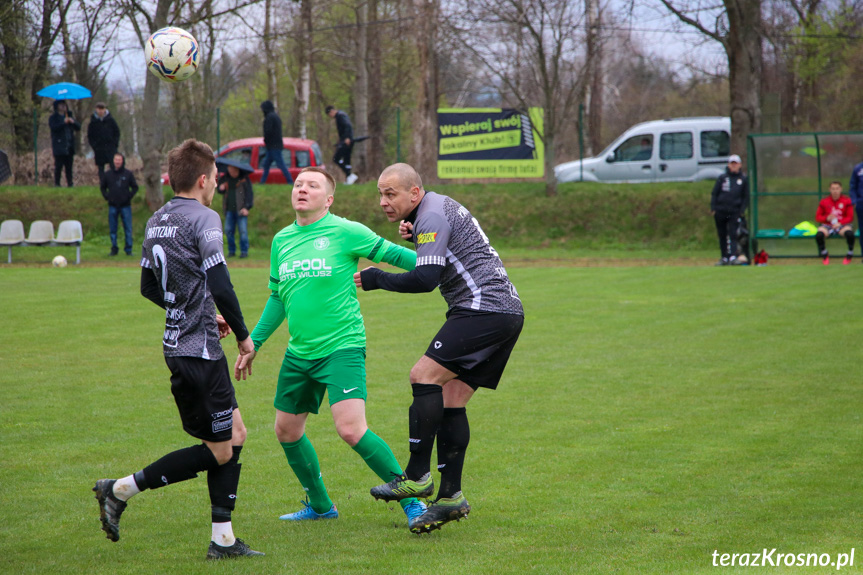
(675, 146)
(319, 157)
(303, 159)
(635, 149)
(715, 144)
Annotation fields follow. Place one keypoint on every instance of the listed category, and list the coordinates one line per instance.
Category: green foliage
(648, 417)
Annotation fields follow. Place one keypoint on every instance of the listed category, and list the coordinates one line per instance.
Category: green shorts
(302, 382)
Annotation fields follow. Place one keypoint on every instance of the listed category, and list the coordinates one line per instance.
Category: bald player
(470, 351)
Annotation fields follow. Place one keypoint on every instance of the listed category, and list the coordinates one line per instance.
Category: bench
(69, 233)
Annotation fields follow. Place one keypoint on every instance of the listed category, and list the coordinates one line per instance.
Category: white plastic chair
(70, 233)
(41, 233)
(11, 234)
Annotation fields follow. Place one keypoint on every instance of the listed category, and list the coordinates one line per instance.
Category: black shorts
(205, 397)
(476, 345)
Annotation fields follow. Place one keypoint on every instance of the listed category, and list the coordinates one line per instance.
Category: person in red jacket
(835, 214)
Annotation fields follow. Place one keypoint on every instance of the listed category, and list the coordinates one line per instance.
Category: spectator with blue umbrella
(63, 126)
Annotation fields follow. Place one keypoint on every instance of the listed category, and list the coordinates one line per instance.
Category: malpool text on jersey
(307, 268)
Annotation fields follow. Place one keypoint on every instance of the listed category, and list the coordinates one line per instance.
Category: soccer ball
(172, 54)
(59, 262)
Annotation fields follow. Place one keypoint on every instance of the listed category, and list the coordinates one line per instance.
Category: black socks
(452, 440)
(177, 466)
(222, 483)
(424, 418)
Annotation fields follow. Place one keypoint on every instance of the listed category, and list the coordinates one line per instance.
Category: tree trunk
(304, 83)
(151, 152)
(425, 116)
(377, 113)
(361, 88)
(272, 68)
(594, 63)
(14, 75)
(743, 46)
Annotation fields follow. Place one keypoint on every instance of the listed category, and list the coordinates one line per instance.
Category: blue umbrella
(65, 91)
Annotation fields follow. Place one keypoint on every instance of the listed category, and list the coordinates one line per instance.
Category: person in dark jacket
(728, 202)
(273, 143)
(103, 135)
(342, 157)
(239, 199)
(63, 127)
(118, 188)
(855, 192)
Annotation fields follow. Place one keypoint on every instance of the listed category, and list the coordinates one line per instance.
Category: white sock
(223, 534)
(126, 488)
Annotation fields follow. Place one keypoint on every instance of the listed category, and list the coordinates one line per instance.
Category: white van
(673, 150)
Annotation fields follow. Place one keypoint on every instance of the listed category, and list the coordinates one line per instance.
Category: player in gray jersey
(484, 320)
(184, 272)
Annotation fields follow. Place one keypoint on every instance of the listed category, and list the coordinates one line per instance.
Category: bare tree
(361, 83)
(305, 46)
(28, 30)
(145, 20)
(533, 48)
(427, 19)
(272, 67)
(738, 29)
(594, 85)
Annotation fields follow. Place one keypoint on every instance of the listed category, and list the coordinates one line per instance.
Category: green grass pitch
(648, 417)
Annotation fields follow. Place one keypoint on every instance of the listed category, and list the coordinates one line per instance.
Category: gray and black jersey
(182, 240)
(446, 234)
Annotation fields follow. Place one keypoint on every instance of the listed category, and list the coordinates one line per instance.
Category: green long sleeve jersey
(312, 281)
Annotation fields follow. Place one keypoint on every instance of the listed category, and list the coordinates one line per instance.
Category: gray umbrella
(223, 163)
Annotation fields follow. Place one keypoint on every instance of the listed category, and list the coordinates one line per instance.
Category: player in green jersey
(312, 264)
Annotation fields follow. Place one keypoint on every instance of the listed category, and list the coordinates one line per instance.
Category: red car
(298, 154)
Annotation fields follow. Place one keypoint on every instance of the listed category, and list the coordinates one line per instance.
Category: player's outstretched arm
(243, 365)
(423, 279)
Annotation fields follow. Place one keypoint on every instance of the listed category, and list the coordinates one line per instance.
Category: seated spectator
(835, 214)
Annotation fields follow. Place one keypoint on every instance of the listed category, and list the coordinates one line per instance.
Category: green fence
(789, 174)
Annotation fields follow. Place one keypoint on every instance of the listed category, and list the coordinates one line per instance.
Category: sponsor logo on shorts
(322, 243)
(438, 345)
(220, 414)
(428, 238)
(222, 424)
(213, 235)
(412, 440)
(349, 390)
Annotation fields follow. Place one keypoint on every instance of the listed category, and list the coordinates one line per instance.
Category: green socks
(304, 461)
(380, 459)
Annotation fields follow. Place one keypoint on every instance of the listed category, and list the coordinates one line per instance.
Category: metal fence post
(35, 147)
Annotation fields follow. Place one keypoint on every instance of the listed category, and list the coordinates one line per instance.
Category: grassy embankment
(593, 221)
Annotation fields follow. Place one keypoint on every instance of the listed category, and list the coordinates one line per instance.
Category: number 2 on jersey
(160, 262)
